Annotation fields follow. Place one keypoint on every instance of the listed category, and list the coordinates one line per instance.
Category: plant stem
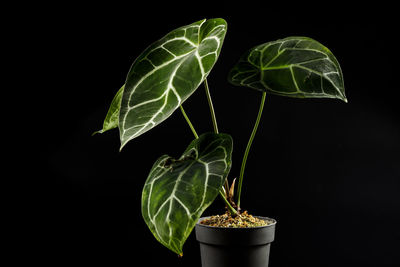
(188, 121)
(214, 120)
(228, 205)
(246, 153)
(215, 125)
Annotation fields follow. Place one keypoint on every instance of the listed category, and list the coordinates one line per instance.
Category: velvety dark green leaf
(166, 74)
(111, 120)
(294, 66)
(177, 191)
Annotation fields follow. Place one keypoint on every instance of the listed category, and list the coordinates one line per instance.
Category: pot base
(219, 256)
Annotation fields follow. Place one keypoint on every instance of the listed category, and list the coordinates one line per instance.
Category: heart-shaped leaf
(111, 120)
(294, 66)
(166, 74)
(177, 191)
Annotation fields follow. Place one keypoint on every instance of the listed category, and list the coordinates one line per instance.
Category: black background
(327, 171)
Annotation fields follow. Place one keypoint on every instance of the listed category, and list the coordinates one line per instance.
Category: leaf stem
(188, 121)
(246, 153)
(215, 125)
(210, 104)
(228, 205)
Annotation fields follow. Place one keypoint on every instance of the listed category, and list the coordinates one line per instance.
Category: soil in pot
(241, 220)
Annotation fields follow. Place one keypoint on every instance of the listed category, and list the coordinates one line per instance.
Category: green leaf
(166, 74)
(294, 67)
(111, 120)
(177, 191)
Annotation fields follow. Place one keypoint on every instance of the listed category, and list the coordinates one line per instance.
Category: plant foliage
(177, 191)
(294, 67)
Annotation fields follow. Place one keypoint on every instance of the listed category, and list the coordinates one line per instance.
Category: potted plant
(178, 190)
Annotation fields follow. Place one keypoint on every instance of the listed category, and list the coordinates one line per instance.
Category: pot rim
(242, 228)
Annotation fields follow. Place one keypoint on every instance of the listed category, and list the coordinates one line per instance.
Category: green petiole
(210, 104)
(246, 153)
(188, 121)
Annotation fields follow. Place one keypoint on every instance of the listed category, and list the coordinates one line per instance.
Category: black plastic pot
(245, 247)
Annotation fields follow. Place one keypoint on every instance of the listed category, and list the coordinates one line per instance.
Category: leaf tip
(122, 146)
(97, 132)
(123, 141)
(342, 95)
(343, 98)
